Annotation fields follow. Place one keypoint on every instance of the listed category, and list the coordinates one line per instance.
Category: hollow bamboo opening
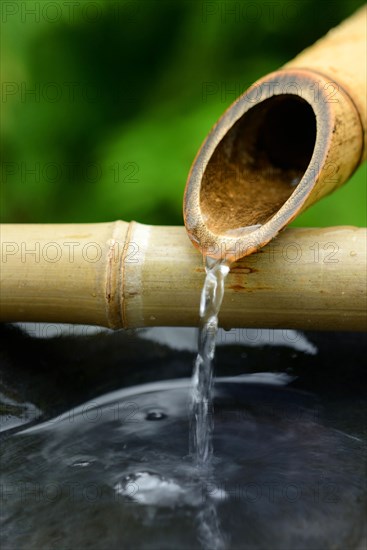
(258, 164)
(293, 137)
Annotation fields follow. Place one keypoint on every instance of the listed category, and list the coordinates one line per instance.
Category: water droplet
(155, 415)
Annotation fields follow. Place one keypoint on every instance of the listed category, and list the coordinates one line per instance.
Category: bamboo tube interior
(293, 137)
(257, 165)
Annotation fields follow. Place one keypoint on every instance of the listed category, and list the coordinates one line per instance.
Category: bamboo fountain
(293, 137)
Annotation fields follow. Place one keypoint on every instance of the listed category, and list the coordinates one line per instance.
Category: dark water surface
(100, 459)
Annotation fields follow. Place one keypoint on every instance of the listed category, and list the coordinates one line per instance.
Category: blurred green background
(105, 104)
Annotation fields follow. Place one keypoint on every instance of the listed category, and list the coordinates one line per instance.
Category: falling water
(201, 447)
(202, 406)
(211, 300)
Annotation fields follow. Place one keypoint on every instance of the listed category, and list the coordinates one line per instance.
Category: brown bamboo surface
(133, 275)
(296, 135)
(341, 57)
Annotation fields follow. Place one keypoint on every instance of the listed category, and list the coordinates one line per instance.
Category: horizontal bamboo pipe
(132, 275)
(296, 135)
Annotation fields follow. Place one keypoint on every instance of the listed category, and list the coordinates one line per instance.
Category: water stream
(210, 533)
(202, 406)
(201, 427)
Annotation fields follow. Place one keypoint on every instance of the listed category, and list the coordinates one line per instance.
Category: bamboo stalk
(296, 135)
(133, 275)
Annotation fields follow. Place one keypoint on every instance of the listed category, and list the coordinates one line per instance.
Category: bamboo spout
(132, 275)
(296, 135)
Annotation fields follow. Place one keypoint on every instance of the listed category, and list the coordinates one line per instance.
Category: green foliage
(105, 104)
